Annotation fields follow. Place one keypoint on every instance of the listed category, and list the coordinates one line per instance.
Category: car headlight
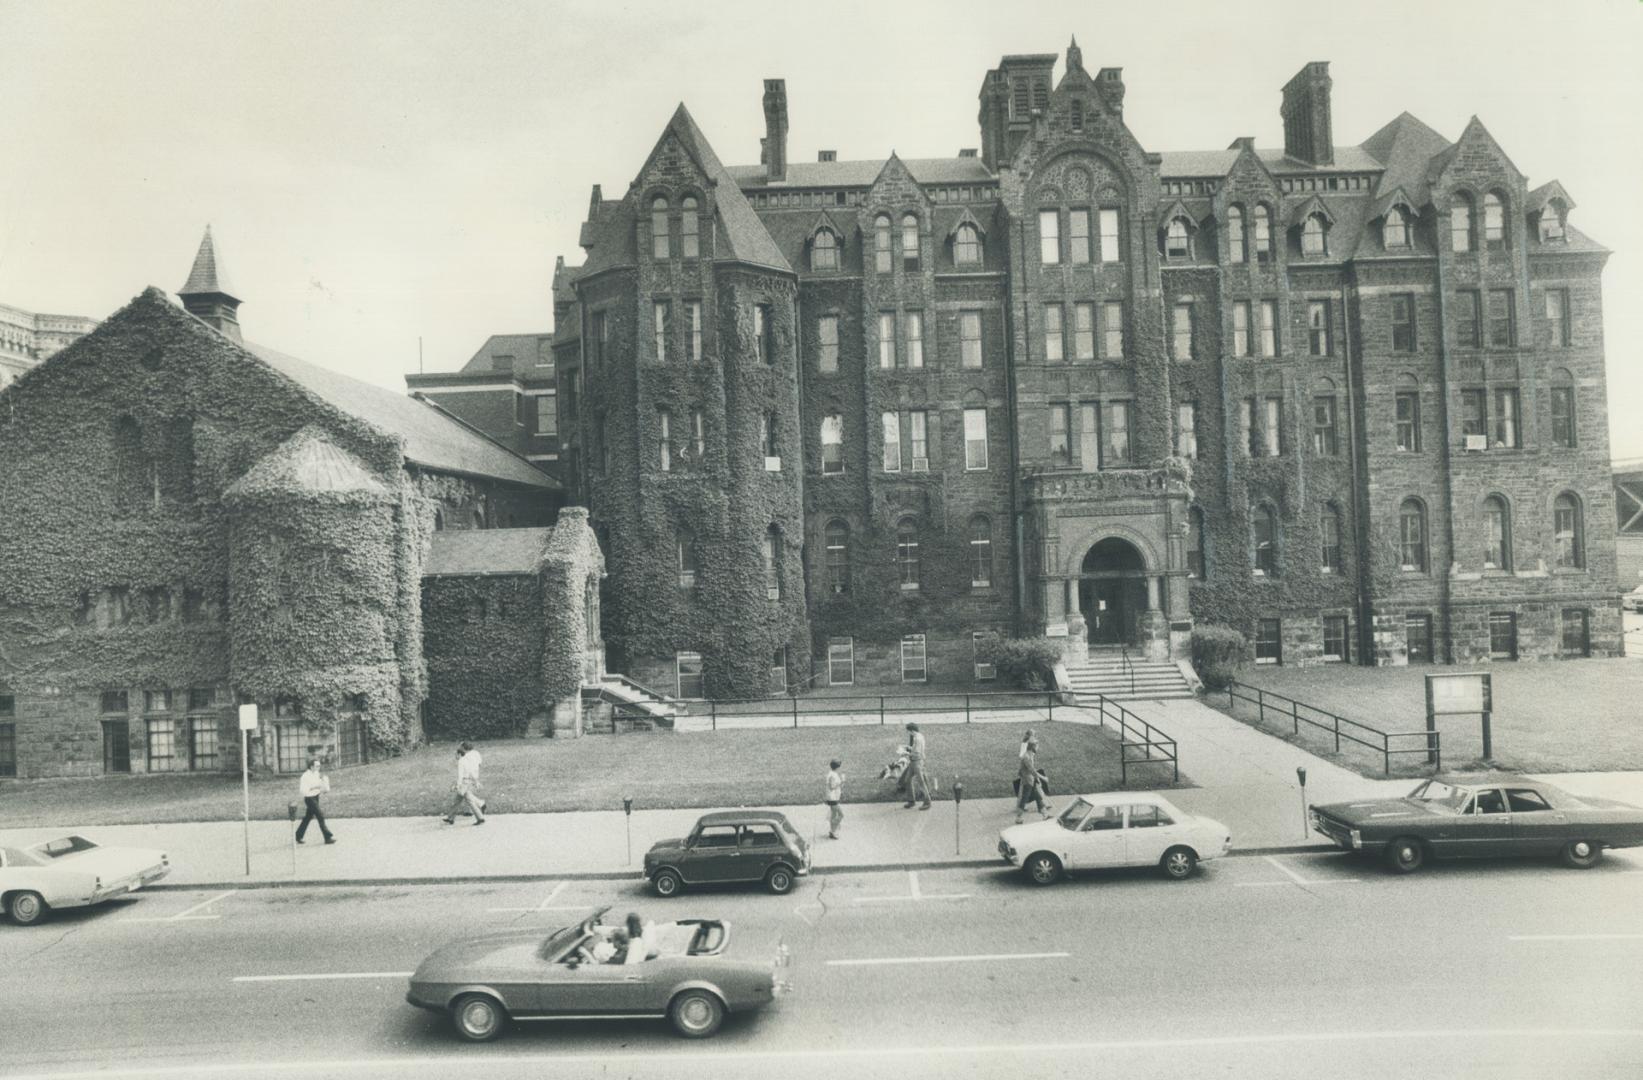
(1357, 838)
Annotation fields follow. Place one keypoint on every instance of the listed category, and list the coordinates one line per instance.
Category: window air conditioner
(1477, 442)
(921, 464)
(772, 463)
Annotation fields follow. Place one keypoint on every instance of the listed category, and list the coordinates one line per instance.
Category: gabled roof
(801, 174)
(307, 463)
(206, 277)
(965, 218)
(1304, 210)
(525, 349)
(743, 232)
(1214, 164)
(1406, 147)
(1545, 193)
(478, 552)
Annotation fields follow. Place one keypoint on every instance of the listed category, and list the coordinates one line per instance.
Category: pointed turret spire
(207, 294)
(1075, 56)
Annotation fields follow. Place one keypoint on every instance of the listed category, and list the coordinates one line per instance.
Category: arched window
(967, 245)
(1235, 234)
(1461, 238)
(836, 539)
(659, 228)
(1195, 544)
(773, 563)
(1329, 532)
(1551, 223)
(981, 552)
(1497, 534)
(689, 228)
(881, 243)
(1312, 235)
(1263, 234)
(686, 545)
(1265, 529)
(909, 241)
(1395, 232)
(1494, 222)
(1177, 239)
(824, 251)
(907, 559)
(1412, 536)
(1566, 533)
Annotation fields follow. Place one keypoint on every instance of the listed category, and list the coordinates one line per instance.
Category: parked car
(730, 846)
(1632, 601)
(1119, 828)
(484, 982)
(1479, 817)
(71, 871)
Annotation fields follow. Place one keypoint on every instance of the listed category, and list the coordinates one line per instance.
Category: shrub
(1218, 653)
(1027, 662)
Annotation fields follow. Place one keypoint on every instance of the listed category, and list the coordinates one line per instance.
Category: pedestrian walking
(312, 785)
(918, 781)
(1026, 737)
(835, 795)
(1029, 782)
(467, 786)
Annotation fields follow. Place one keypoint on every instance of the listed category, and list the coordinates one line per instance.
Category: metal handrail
(1152, 739)
(1431, 741)
(1129, 668)
(883, 704)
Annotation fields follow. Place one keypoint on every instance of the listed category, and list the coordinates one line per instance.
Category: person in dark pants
(1029, 783)
(312, 785)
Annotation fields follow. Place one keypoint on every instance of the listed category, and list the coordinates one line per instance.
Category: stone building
(507, 390)
(1348, 399)
(27, 338)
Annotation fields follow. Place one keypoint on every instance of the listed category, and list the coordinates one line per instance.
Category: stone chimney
(207, 295)
(1109, 82)
(1308, 134)
(774, 146)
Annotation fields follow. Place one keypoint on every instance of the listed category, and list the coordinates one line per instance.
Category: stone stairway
(639, 707)
(1106, 674)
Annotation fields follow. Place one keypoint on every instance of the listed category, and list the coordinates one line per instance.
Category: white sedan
(1118, 828)
(71, 871)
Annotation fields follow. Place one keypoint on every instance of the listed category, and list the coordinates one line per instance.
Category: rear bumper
(129, 884)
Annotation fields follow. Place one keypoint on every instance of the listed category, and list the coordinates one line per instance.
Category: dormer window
(1395, 231)
(824, 251)
(1551, 224)
(1178, 239)
(1313, 239)
(1494, 223)
(967, 245)
(658, 228)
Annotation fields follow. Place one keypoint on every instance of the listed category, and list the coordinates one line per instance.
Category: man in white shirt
(467, 786)
(917, 778)
(835, 796)
(312, 785)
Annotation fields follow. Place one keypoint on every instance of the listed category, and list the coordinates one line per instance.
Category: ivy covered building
(835, 420)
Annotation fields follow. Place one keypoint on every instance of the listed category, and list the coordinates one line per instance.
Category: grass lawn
(1564, 716)
(659, 769)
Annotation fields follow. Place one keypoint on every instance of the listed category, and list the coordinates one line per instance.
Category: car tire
(1582, 854)
(478, 1017)
(1405, 855)
(696, 1014)
(26, 907)
(666, 883)
(779, 880)
(1042, 868)
(1178, 863)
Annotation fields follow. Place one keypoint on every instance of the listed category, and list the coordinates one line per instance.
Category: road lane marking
(1574, 937)
(327, 975)
(185, 916)
(1293, 877)
(1287, 872)
(203, 904)
(880, 960)
(546, 901)
(914, 894)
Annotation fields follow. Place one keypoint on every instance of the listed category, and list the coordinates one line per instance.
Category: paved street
(1295, 965)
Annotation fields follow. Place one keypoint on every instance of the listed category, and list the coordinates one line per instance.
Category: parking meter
(1300, 774)
(958, 791)
(627, 816)
(958, 797)
(290, 815)
(627, 804)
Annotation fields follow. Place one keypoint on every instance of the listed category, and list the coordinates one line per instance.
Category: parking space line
(1294, 878)
(874, 961)
(188, 915)
(546, 902)
(1574, 937)
(327, 975)
(914, 894)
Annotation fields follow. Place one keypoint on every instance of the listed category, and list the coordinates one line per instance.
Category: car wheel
(1042, 868)
(1178, 863)
(1582, 854)
(1405, 855)
(696, 1014)
(26, 907)
(478, 1017)
(666, 883)
(779, 880)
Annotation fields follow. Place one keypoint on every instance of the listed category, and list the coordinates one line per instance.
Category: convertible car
(71, 871)
(483, 982)
(1479, 817)
(1118, 828)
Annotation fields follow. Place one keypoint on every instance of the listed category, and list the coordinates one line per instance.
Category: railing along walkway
(1354, 731)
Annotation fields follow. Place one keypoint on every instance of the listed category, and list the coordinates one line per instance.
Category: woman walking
(1030, 786)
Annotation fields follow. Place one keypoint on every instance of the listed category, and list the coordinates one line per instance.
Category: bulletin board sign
(1461, 693)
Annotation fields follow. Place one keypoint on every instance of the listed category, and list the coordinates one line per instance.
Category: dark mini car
(1481, 816)
(731, 846)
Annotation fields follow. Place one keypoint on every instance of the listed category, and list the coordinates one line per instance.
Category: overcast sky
(380, 173)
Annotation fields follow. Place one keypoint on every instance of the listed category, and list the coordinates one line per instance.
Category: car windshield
(1447, 796)
(1072, 815)
(559, 941)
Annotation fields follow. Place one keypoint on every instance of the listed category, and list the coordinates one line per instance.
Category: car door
(1148, 833)
(1487, 830)
(1537, 828)
(761, 847)
(714, 855)
(588, 989)
(1099, 840)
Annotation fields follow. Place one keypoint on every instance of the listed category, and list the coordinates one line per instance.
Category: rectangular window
(1403, 323)
(1195, 546)
(772, 565)
(664, 440)
(915, 339)
(1181, 331)
(778, 671)
(1502, 635)
(1247, 429)
(764, 344)
(1112, 329)
(688, 666)
(1577, 638)
(1269, 328)
(1186, 430)
(832, 444)
(1407, 409)
(1502, 324)
(1318, 328)
(1469, 319)
(1417, 636)
(980, 645)
(1324, 442)
(1474, 412)
(969, 332)
(698, 435)
(116, 746)
(1089, 442)
(599, 331)
(162, 744)
(1563, 416)
(8, 749)
(1078, 236)
(157, 701)
(1240, 328)
(1116, 434)
(892, 441)
(1084, 331)
(887, 339)
(981, 554)
(202, 737)
(1335, 639)
(693, 319)
(1273, 429)
(1049, 237)
(1269, 642)
(841, 661)
(547, 414)
(912, 658)
(1329, 530)
(918, 439)
(1053, 333)
(975, 439)
(1508, 435)
(660, 313)
(1557, 317)
(1109, 236)
(827, 333)
(1060, 445)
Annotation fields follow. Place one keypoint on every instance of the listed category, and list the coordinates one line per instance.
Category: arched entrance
(1112, 591)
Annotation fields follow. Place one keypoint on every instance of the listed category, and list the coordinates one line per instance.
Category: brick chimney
(206, 295)
(1308, 134)
(774, 146)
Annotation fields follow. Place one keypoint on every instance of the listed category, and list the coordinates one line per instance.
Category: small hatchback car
(727, 846)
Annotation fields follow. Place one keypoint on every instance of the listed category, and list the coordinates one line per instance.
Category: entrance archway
(1112, 591)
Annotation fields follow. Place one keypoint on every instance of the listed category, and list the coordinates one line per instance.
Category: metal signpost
(248, 724)
(1464, 693)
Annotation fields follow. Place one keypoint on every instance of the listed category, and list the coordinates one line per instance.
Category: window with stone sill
(659, 228)
(1236, 250)
(836, 544)
(1314, 236)
(1177, 239)
(1557, 317)
(1563, 417)
(1507, 435)
(1336, 644)
(907, 553)
(1240, 328)
(1054, 347)
(1412, 536)
(882, 232)
(1264, 534)
(1078, 236)
(1550, 225)
(1269, 641)
(981, 552)
(1112, 330)
(1084, 330)
(1403, 322)
(1395, 230)
(690, 225)
(1469, 319)
(824, 251)
(1494, 222)
(975, 440)
(967, 245)
(773, 563)
(1497, 534)
(832, 445)
(1329, 528)
(1407, 421)
(1461, 237)
(969, 325)
(1049, 237)
(1318, 328)
(1567, 539)
(1269, 328)
(827, 334)
(1107, 218)
(1186, 430)
(1263, 234)
(1181, 331)
(909, 242)
(913, 321)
